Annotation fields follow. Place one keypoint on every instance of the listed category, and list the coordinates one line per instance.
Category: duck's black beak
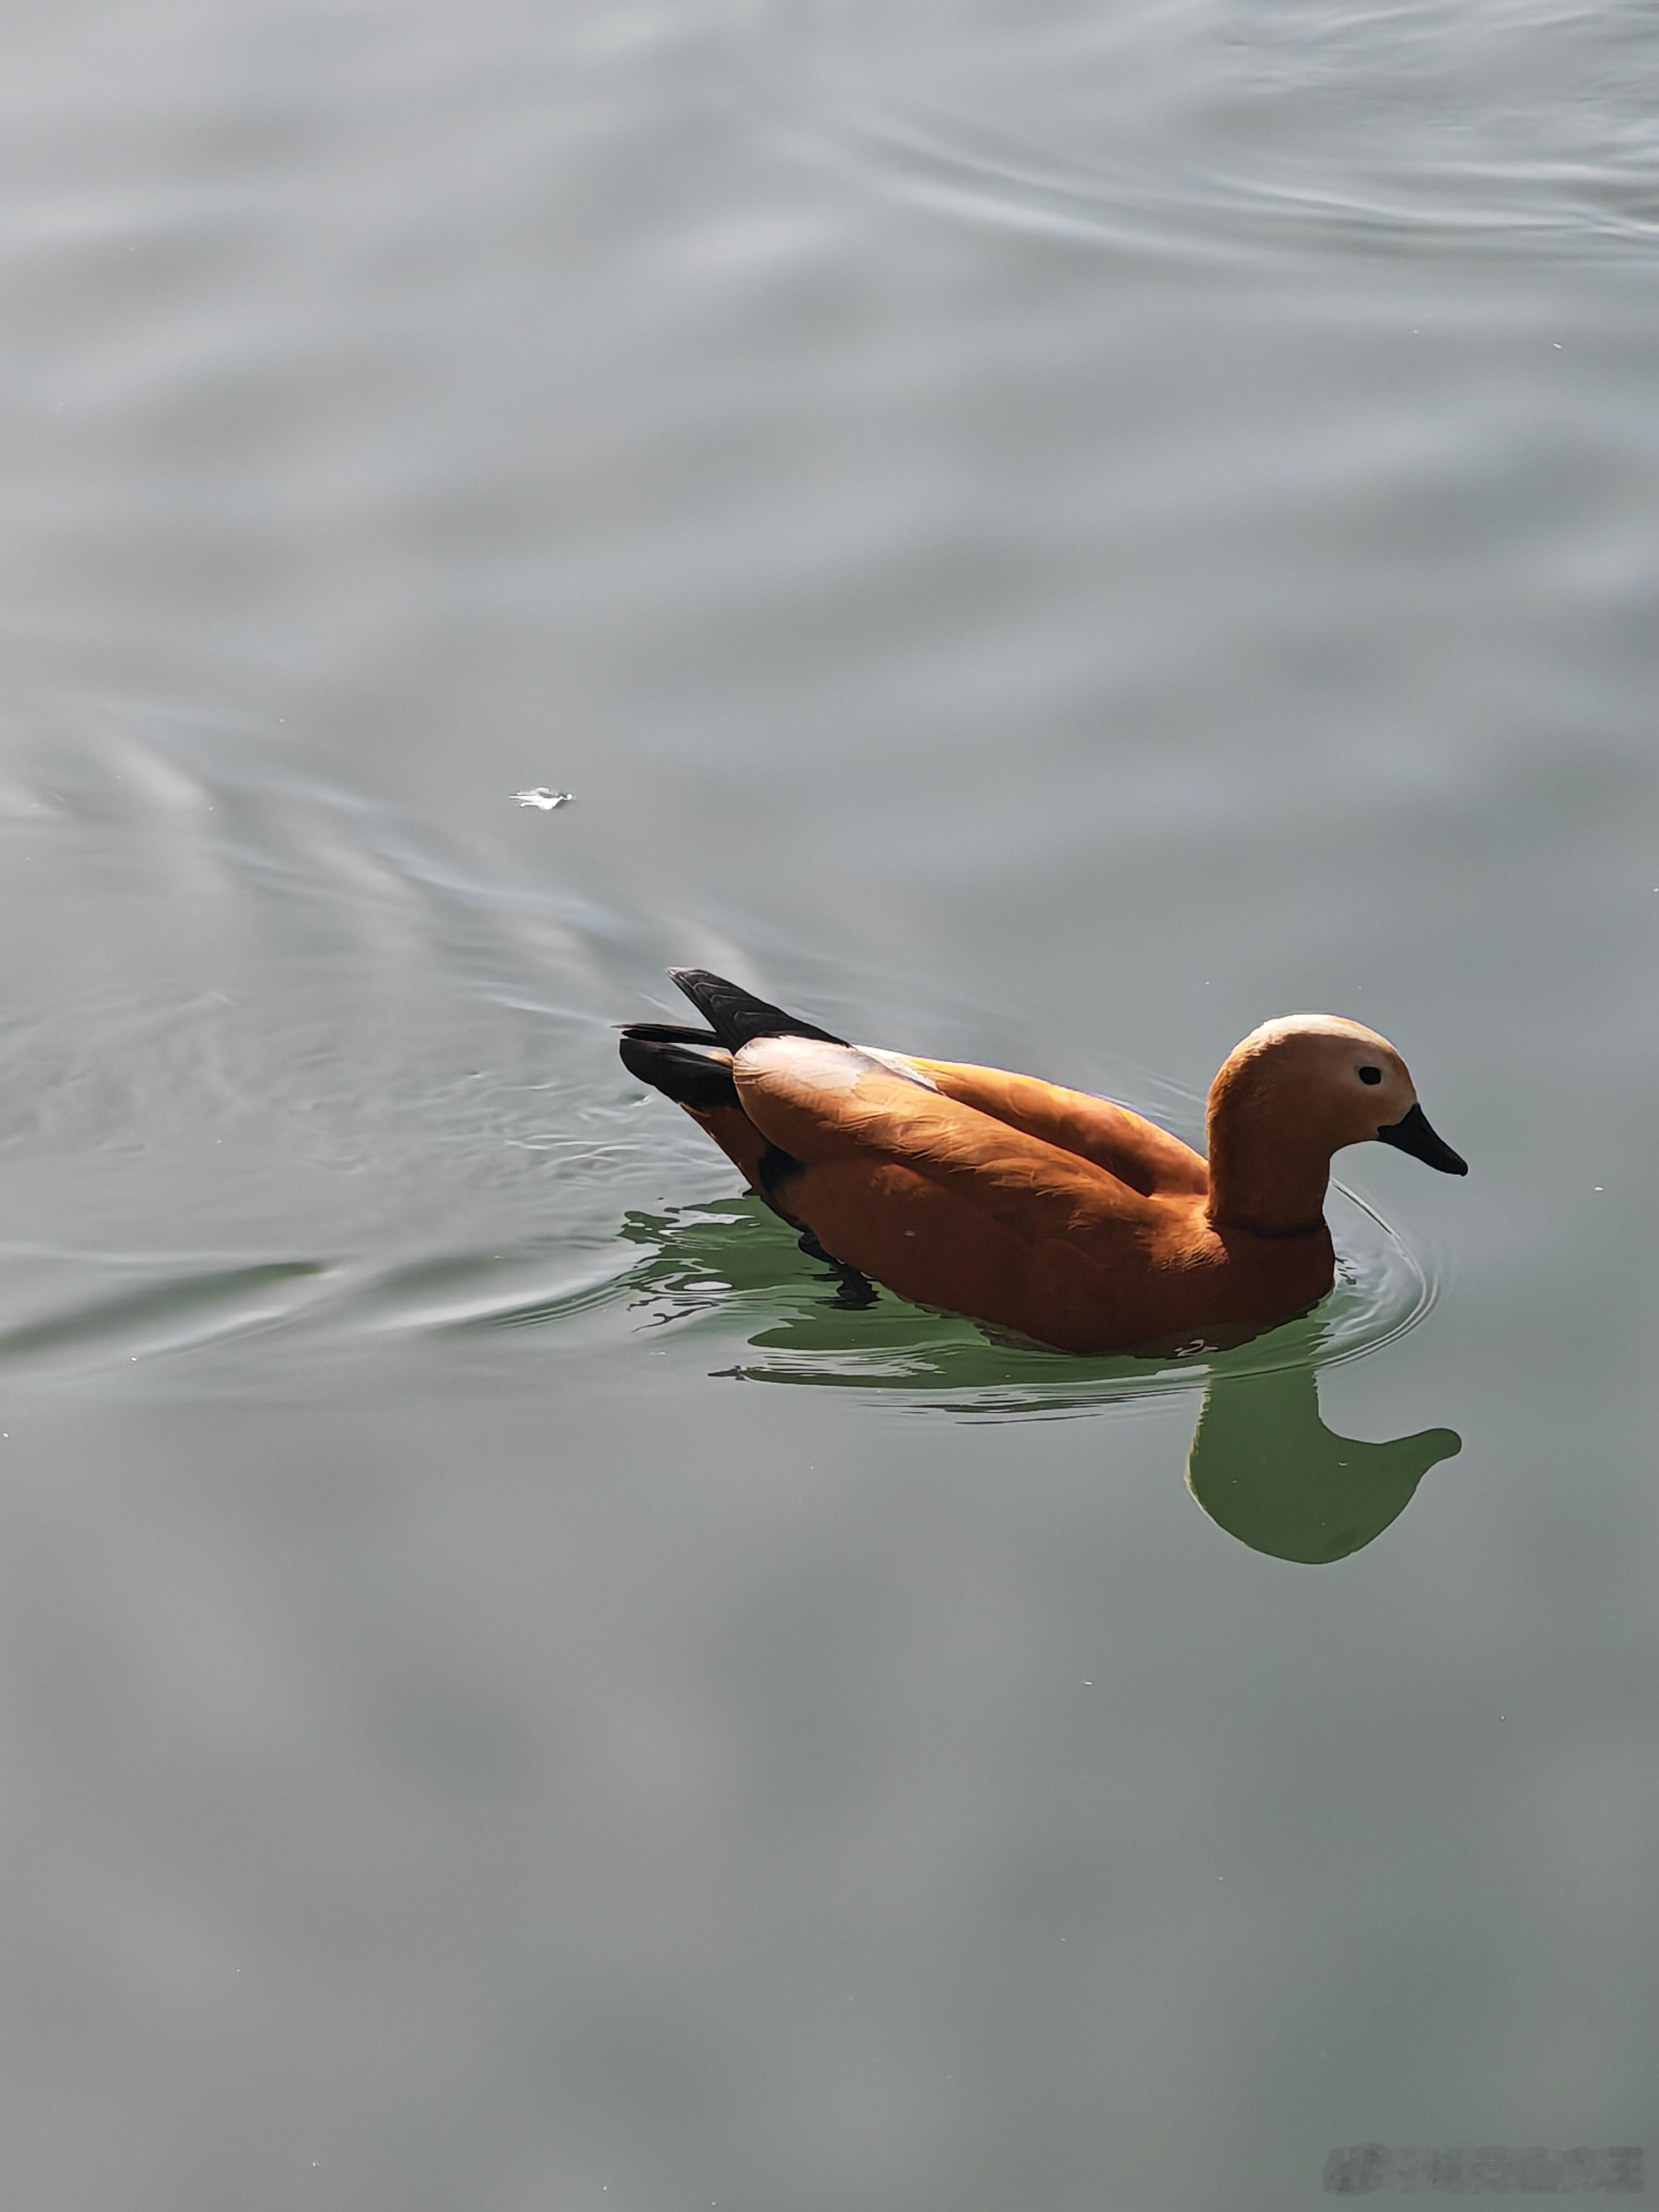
(1413, 1135)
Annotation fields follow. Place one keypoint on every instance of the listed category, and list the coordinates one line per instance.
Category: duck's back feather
(1127, 1145)
(950, 1207)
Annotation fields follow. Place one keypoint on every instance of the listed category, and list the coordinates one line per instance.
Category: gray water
(1043, 533)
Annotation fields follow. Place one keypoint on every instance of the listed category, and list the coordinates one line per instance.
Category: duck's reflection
(1266, 1468)
(1263, 1465)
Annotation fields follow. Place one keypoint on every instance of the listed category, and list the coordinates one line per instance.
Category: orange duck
(1043, 1212)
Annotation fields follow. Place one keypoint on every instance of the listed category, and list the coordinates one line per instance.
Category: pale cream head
(1296, 1090)
(1334, 1081)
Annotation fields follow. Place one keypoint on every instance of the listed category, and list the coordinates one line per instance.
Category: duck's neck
(1260, 1183)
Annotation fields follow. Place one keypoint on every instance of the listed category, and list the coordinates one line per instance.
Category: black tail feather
(688, 1066)
(736, 1016)
(668, 1033)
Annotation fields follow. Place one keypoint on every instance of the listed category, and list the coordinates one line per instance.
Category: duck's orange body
(1041, 1211)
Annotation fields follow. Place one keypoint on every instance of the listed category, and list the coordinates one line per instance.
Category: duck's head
(1335, 1079)
(1296, 1090)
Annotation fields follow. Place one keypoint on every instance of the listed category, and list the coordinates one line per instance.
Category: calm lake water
(1038, 532)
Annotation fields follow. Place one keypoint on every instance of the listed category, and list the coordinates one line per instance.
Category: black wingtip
(736, 1016)
(688, 1066)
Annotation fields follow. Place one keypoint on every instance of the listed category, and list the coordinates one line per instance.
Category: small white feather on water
(541, 797)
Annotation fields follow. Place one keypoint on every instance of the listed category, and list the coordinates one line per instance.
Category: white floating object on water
(541, 797)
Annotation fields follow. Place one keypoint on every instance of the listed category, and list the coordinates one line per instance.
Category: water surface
(1042, 534)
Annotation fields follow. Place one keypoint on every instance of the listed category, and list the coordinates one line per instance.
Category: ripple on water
(358, 1087)
(338, 1067)
(1222, 130)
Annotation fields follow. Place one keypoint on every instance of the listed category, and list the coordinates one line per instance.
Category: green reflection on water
(1266, 1468)
(1263, 1465)
(741, 1274)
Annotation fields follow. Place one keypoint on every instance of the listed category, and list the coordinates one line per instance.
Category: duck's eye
(1370, 1075)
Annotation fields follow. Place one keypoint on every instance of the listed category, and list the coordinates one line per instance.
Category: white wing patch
(817, 1065)
(897, 1064)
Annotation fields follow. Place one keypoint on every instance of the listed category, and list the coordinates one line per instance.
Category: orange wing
(952, 1206)
(1127, 1145)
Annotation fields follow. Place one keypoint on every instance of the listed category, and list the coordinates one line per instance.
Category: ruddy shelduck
(1037, 1211)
